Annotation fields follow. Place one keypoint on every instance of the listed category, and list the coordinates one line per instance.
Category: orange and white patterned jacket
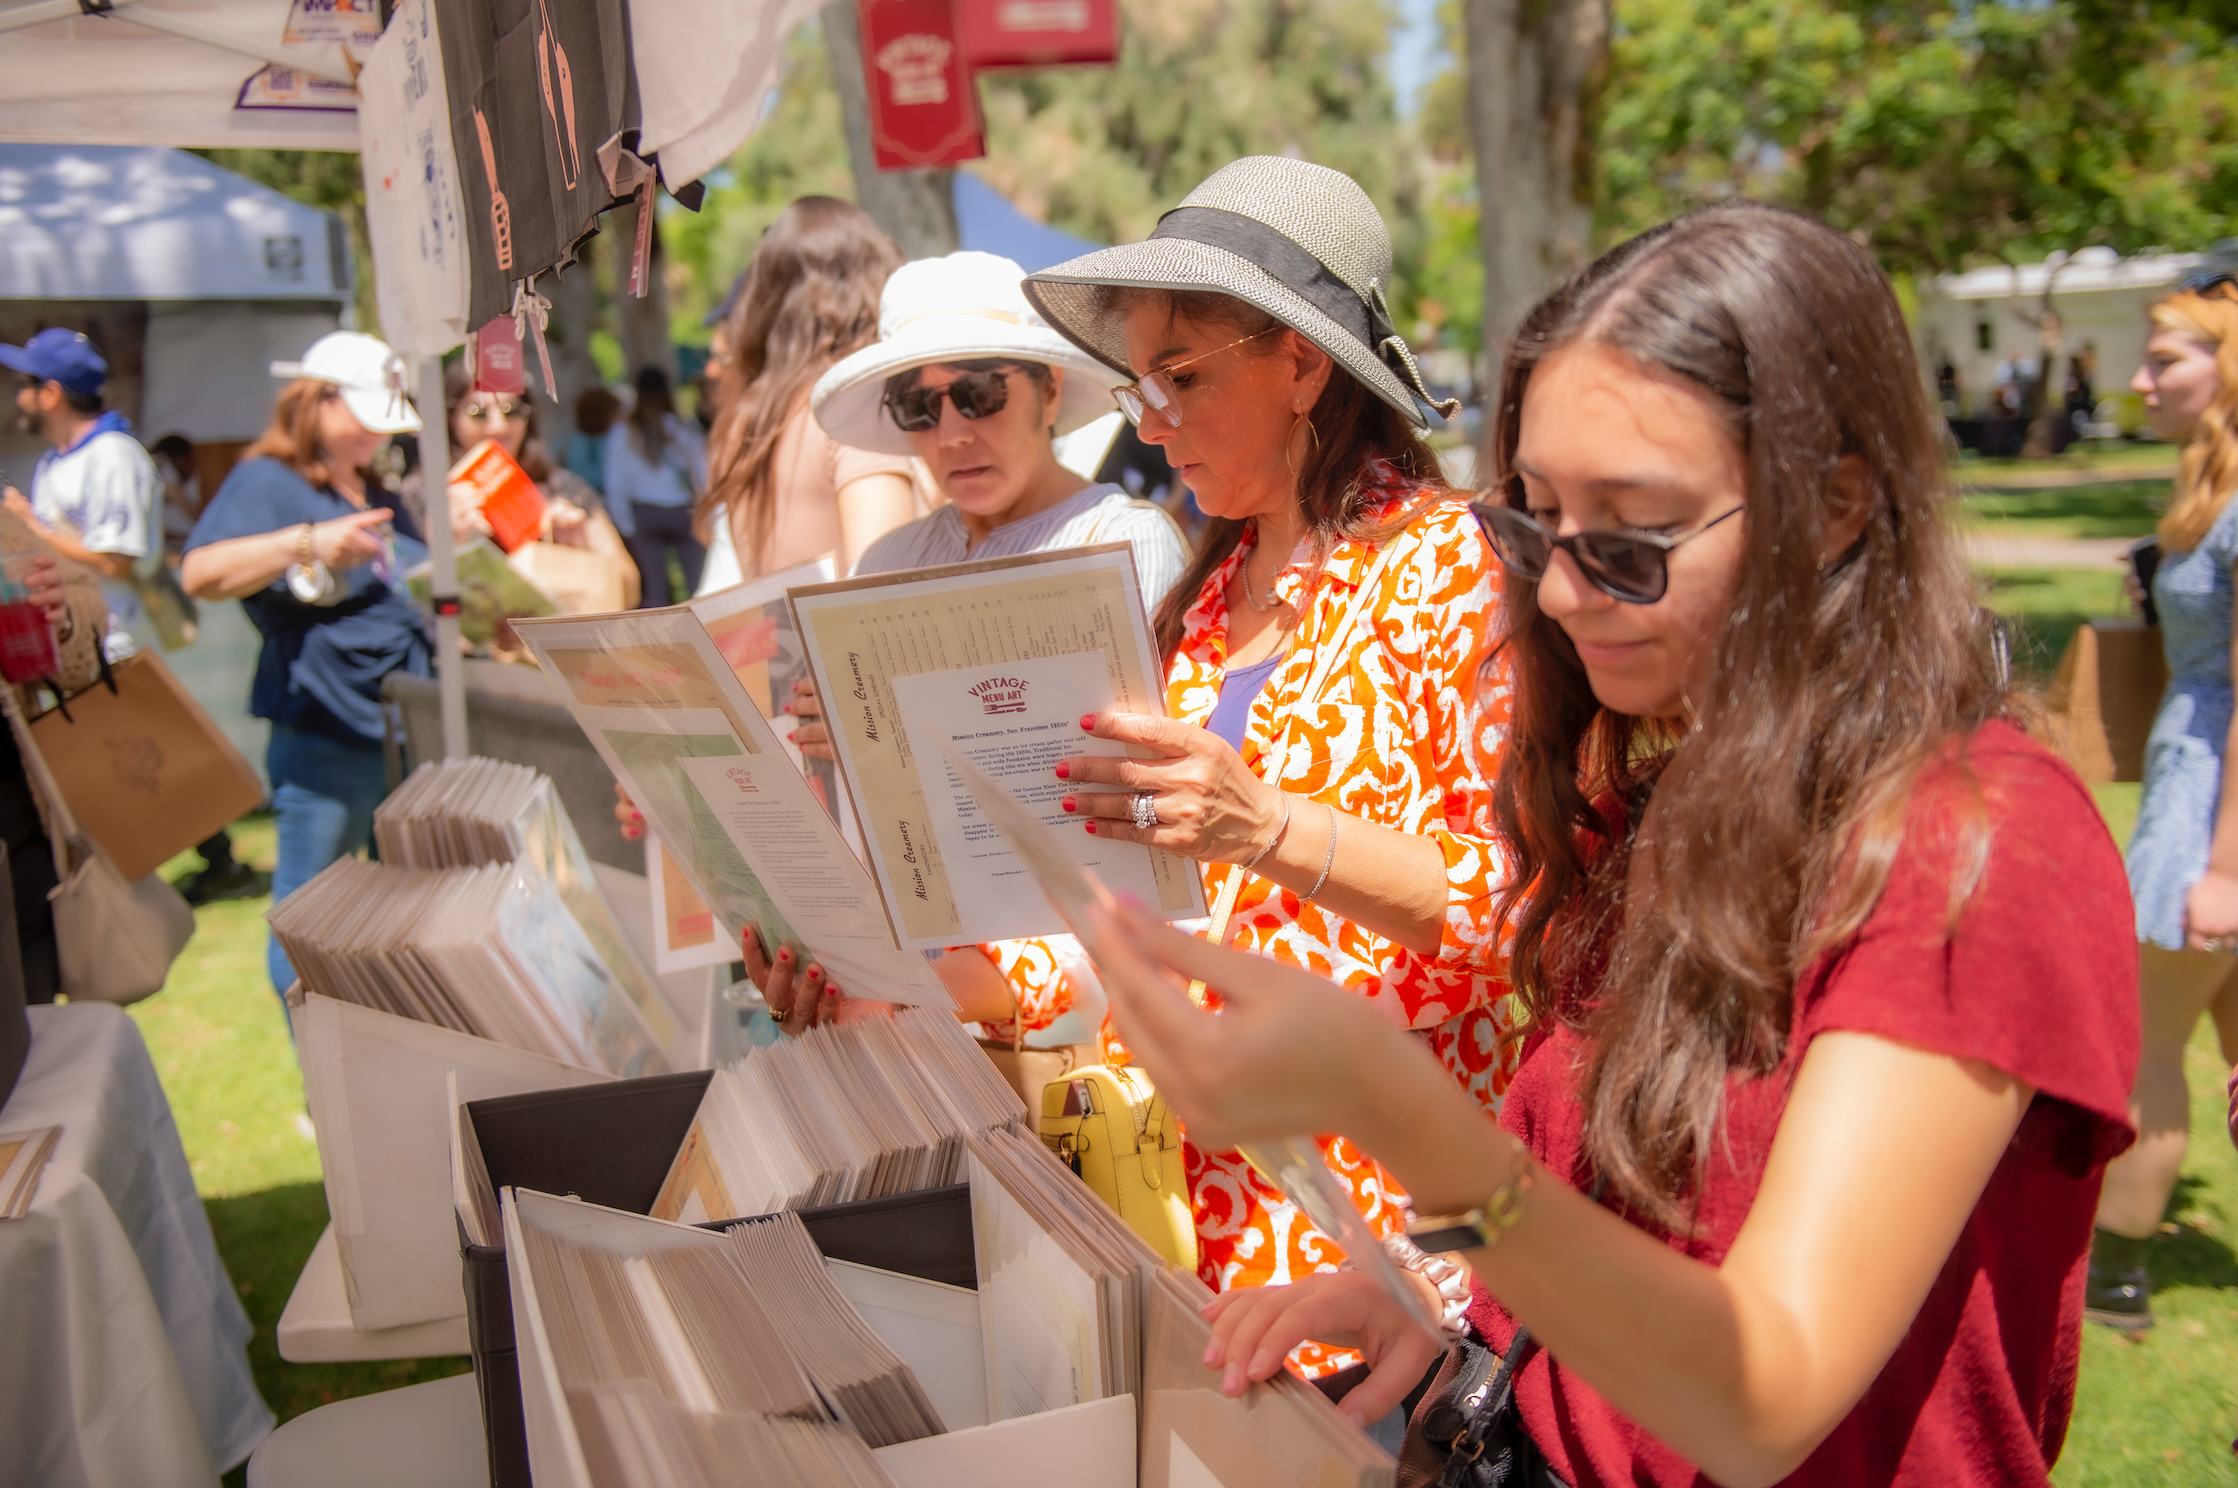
(1403, 736)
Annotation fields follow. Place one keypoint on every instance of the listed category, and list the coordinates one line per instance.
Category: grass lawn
(2126, 508)
(2162, 1411)
(2042, 606)
(221, 1045)
(1974, 470)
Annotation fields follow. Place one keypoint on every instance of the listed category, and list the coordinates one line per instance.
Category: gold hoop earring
(1292, 455)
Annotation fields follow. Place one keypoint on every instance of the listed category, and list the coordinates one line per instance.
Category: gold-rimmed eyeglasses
(1156, 390)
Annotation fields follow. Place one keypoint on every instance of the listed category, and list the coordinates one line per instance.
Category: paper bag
(143, 768)
(580, 581)
(2103, 698)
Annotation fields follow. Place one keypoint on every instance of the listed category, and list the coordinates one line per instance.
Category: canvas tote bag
(117, 938)
(146, 772)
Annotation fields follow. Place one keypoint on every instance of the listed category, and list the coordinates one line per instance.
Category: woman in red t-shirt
(1829, 964)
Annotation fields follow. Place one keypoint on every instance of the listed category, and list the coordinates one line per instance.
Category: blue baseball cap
(58, 355)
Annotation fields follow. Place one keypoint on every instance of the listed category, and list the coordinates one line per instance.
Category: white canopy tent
(234, 276)
(175, 72)
(159, 72)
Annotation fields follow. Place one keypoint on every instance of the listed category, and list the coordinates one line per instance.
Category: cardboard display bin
(611, 1144)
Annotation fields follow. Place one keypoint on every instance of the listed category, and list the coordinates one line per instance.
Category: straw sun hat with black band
(1299, 241)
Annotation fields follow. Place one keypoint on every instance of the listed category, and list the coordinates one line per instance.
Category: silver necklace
(1253, 599)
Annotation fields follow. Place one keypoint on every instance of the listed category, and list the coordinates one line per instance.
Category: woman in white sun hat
(966, 376)
(315, 551)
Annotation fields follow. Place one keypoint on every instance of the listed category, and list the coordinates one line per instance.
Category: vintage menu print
(995, 661)
(666, 712)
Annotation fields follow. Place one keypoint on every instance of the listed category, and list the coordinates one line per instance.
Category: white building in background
(2101, 299)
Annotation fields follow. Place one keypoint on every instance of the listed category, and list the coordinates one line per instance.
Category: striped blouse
(1098, 514)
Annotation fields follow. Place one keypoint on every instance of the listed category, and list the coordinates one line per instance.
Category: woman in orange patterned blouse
(1327, 758)
(1328, 754)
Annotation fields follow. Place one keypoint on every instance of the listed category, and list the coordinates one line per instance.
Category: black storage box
(612, 1145)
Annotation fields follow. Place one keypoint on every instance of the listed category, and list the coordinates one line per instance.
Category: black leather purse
(1466, 1432)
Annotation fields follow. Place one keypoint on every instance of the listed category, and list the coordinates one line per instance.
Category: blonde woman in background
(2183, 858)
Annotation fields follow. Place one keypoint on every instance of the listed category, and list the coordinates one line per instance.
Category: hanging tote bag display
(145, 770)
(116, 937)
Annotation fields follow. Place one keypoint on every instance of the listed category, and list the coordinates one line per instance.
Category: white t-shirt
(106, 490)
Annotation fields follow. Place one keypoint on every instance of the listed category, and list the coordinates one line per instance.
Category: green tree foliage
(327, 179)
(799, 150)
(1944, 136)
(1103, 151)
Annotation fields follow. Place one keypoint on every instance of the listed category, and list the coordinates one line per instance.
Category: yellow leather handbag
(1108, 1125)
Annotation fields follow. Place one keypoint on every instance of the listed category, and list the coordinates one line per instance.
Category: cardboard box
(1090, 1445)
(611, 1144)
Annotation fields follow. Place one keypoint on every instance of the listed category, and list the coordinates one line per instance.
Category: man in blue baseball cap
(94, 495)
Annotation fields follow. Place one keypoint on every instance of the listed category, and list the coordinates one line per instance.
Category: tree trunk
(2039, 413)
(574, 297)
(1536, 68)
(917, 207)
(640, 324)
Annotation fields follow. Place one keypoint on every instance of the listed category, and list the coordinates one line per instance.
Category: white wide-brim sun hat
(373, 379)
(961, 308)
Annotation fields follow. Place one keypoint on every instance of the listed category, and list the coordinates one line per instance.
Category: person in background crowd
(1795, 1182)
(574, 514)
(70, 596)
(656, 466)
(781, 491)
(316, 554)
(1321, 648)
(97, 499)
(596, 408)
(182, 489)
(2183, 855)
(94, 498)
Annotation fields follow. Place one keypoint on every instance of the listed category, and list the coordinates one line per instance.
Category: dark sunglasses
(1631, 567)
(975, 394)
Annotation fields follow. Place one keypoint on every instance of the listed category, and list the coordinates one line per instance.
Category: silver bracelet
(1329, 860)
(1449, 1276)
(1271, 841)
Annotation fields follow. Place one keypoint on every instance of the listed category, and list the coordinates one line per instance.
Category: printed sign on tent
(1037, 33)
(924, 110)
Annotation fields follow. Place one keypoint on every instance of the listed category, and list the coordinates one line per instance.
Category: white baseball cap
(372, 379)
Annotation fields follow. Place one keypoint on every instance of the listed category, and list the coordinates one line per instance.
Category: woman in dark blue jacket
(316, 555)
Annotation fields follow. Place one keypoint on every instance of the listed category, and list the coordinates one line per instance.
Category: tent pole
(442, 557)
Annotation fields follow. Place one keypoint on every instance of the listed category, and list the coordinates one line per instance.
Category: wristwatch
(309, 580)
(1478, 1229)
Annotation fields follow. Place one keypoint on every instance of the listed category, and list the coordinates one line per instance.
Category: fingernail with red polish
(1091, 829)
(1068, 803)
(1088, 720)
(1064, 770)
(785, 955)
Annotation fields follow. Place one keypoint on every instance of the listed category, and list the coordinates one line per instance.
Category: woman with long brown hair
(780, 491)
(1833, 1006)
(2183, 857)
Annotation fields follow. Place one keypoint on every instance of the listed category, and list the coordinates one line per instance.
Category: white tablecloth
(123, 1352)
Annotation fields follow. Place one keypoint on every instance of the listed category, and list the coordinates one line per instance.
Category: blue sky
(1414, 44)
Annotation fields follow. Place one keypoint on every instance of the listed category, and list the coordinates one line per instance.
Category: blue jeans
(324, 791)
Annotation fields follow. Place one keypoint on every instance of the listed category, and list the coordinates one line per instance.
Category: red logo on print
(743, 781)
(1000, 694)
